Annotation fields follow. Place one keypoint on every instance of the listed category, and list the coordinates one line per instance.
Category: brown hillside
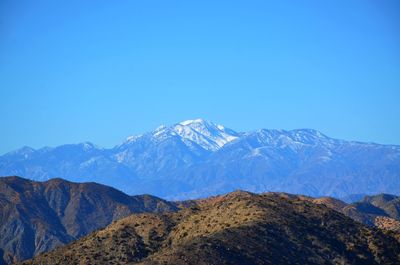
(238, 228)
(38, 216)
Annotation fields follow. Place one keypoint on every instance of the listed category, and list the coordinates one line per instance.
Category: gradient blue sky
(99, 71)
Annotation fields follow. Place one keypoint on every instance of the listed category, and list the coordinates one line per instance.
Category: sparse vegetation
(239, 228)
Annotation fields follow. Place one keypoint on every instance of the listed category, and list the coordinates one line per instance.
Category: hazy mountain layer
(197, 158)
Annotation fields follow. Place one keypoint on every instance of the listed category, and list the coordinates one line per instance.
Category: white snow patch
(187, 122)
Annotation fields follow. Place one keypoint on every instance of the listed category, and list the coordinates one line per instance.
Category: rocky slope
(38, 216)
(197, 158)
(380, 210)
(238, 228)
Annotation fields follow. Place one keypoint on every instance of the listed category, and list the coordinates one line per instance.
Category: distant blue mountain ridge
(198, 158)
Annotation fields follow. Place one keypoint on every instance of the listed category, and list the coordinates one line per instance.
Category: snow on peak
(24, 151)
(206, 134)
(89, 146)
(132, 138)
(188, 122)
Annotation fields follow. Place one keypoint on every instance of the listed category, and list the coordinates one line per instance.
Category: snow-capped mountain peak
(188, 122)
(25, 151)
(198, 158)
(207, 134)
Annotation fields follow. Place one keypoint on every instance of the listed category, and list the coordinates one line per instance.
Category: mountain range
(237, 228)
(37, 217)
(198, 158)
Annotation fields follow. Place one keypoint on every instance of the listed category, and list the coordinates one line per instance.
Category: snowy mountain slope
(300, 161)
(207, 135)
(197, 158)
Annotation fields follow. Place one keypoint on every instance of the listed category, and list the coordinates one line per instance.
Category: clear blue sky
(99, 71)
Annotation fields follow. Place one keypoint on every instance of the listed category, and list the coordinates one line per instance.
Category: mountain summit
(205, 134)
(197, 158)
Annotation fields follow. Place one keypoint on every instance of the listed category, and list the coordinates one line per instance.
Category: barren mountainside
(238, 228)
(38, 216)
(380, 210)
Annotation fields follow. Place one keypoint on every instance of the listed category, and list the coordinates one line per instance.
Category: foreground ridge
(39, 216)
(238, 228)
